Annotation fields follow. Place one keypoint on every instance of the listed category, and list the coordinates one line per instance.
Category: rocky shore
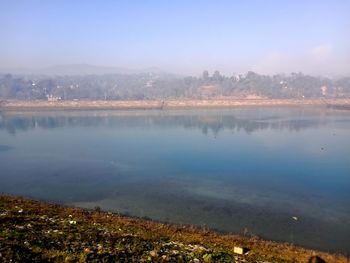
(33, 231)
(169, 104)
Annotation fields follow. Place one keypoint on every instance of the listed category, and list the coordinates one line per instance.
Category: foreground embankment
(170, 104)
(38, 231)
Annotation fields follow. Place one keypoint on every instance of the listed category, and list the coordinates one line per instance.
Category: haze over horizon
(267, 37)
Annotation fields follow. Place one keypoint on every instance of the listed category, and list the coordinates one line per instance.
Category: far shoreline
(336, 103)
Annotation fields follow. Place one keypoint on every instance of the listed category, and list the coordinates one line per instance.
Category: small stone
(197, 247)
(153, 253)
(316, 259)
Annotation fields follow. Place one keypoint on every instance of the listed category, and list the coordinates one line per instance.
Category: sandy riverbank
(170, 104)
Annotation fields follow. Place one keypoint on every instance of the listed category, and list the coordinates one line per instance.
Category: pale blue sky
(179, 36)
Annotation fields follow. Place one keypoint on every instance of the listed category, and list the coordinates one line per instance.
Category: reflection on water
(4, 148)
(247, 168)
(248, 120)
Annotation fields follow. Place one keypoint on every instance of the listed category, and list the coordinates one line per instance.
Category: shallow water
(240, 170)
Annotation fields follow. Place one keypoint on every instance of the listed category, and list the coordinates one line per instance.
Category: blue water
(244, 170)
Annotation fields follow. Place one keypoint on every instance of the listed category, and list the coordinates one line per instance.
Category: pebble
(153, 253)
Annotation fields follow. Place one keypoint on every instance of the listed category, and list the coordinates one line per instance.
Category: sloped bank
(167, 104)
(37, 231)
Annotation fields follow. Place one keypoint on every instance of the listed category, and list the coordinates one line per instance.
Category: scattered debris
(240, 250)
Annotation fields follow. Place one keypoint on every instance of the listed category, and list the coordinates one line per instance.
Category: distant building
(323, 90)
(52, 98)
(149, 84)
(237, 77)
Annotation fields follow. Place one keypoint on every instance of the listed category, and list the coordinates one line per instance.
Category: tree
(217, 76)
(205, 75)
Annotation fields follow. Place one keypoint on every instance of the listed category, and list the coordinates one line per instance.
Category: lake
(282, 174)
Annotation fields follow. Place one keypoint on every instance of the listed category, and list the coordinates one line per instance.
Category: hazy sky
(179, 36)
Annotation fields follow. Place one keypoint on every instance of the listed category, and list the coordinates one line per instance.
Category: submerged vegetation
(36, 231)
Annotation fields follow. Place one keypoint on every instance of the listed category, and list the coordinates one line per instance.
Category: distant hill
(84, 69)
(80, 70)
(70, 70)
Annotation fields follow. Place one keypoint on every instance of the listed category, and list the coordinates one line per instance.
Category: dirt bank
(37, 231)
(169, 104)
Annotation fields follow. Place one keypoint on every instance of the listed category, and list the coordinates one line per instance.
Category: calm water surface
(248, 168)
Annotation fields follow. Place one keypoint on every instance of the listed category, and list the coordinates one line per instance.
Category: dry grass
(37, 231)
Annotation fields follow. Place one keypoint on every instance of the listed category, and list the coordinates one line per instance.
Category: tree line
(149, 86)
